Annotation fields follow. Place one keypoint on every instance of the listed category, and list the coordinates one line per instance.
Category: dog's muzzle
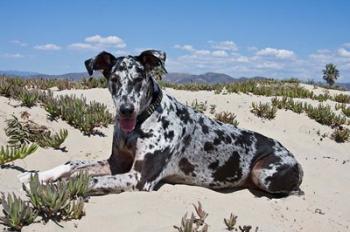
(127, 119)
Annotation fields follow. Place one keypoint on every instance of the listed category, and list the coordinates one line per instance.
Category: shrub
(78, 113)
(346, 111)
(78, 186)
(28, 131)
(230, 222)
(17, 213)
(212, 109)
(342, 98)
(227, 117)
(52, 200)
(54, 140)
(264, 110)
(199, 106)
(324, 115)
(194, 223)
(341, 134)
(8, 154)
(28, 98)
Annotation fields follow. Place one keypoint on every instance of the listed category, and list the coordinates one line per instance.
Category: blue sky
(278, 39)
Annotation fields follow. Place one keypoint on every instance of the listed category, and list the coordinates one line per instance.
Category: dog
(159, 140)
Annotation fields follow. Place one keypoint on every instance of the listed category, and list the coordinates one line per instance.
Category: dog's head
(130, 81)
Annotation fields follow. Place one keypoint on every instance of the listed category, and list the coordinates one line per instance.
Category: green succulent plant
(230, 222)
(50, 200)
(8, 154)
(194, 223)
(17, 213)
(264, 110)
(341, 134)
(28, 98)
(227, 117)
(78, 186)
(54, 200)
(55, 141)
(24, 132)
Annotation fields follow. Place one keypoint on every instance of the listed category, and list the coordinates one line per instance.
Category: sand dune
(324, 206)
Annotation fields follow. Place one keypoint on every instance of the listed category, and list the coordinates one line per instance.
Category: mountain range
(179, 78)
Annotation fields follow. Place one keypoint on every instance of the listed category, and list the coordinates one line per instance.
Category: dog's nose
(127, 110)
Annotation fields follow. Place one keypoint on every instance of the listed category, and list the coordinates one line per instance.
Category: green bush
(264, 110)
(346, 111)
(227, 117)
(199, 106)
(78, 113)
(324, 115)
(17, 213)
(24, 132)
(341, 134)
(8, 154)
(53, 200)
(28, 98)
(342, 98)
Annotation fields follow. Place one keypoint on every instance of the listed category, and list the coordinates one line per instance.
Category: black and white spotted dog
(157, 139)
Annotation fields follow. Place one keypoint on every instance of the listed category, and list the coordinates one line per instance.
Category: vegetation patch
(264, 110)
(227, 117)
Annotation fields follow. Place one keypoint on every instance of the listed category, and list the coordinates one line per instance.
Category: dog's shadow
(256, 192)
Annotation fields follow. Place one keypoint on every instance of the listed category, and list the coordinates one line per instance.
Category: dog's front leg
(101, 185)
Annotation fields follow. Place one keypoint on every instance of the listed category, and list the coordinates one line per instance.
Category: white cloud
(108, 41)
(81, 46)
(224, 45)
(19, 43)
(219, 53)
(12, 55)
(97, 42)
(278, 53)
(48, 47)
(185, 47)
(252, 48)
(347, 45)
(343, 52)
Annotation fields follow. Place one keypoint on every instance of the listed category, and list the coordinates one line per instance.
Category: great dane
(158, 139)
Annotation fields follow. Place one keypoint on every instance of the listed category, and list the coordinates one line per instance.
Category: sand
(325, 205)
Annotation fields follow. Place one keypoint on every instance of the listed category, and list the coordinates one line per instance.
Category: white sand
(326, 176)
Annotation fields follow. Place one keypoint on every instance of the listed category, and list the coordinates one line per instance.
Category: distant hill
(179, 78)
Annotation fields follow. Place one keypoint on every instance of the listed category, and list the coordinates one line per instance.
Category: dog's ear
(153, 61)
(103, 61)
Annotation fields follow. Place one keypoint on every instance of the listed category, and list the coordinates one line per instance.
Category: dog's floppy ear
(153, 61)
(103, 61)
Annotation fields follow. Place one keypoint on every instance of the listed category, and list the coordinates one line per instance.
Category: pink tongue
(127, 124)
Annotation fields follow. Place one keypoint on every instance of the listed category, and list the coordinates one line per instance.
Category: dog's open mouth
(127, 124)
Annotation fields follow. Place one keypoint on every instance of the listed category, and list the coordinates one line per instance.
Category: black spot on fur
(153, 164)
(217, 141)
(183, 131)
(205, 128)
(208, 147)
(138, 165)
(165, 123)
(186, 166)
(286, 179)
(245, 139)
(169, 135)
(187, 140)
(183, 114)
(214, 165)
(143, 134)
(230, 171)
